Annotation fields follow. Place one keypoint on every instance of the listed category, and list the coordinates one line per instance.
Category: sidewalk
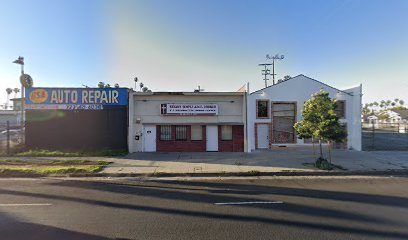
(277, 160)
(284, 161)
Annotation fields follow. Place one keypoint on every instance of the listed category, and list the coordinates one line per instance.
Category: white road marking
(243, 203)
(24, 204)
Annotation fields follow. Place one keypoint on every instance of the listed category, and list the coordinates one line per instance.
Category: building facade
(76, 118)
(274, 110)
(187, 122)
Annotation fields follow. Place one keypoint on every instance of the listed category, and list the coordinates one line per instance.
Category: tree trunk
(314, 152)
(330, 143)
(321, 149)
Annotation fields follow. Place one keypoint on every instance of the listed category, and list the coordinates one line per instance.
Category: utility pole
(276, 57)
(266, 72)
(20, 61)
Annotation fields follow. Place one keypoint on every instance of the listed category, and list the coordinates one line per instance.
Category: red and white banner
(189, 109)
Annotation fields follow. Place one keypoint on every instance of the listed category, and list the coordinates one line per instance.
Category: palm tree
(135, 79)
(141, 85)
(9, 91)
(101, 85)
(116, 85)
(108, 85)
(16, 90)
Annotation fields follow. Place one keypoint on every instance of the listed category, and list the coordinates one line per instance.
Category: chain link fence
(385, 136)
(11, 136)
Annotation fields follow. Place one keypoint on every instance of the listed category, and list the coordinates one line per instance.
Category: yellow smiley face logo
(38, 96)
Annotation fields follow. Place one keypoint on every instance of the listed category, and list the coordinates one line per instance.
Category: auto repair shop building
(76, 118)
(187, 122)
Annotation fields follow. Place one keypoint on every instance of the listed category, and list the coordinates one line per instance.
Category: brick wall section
(180, 146)
(234, 145)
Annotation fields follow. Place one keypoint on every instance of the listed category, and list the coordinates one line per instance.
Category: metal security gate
(283, 119)
(11, 137)
(385, 136)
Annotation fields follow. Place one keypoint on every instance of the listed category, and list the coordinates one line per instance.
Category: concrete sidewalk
(291, 159)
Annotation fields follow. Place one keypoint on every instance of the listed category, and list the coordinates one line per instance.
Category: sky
(179, 44)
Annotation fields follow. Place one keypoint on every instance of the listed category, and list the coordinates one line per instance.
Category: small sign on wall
(189, 109)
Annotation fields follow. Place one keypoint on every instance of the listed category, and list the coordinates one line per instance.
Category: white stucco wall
(144, 109)
(299, 89)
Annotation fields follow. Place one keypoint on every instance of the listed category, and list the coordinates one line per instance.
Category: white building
(272, 112)
(187, 121)
(395, 116)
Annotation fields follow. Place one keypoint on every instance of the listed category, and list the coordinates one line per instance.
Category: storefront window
(262, 108)
(196, 133)
(181, 133)
(165, 133)
(226, 132)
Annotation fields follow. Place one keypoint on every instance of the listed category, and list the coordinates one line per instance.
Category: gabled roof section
(301, 75)
(402, 112)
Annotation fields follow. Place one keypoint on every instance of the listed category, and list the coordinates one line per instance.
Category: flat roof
(189, 93)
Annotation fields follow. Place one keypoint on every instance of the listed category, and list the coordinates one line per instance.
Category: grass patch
(50, 167)
(323, 164)
(57, 153)
(294, 170)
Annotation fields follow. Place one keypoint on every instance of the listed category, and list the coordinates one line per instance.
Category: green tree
(366, 109)
(9, 91)
(320, 121)
(384, 117)
(287, 77)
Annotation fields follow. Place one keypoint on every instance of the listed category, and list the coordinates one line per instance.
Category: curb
(403, 172)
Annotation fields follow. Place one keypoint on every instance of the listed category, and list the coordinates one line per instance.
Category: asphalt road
(369, 208)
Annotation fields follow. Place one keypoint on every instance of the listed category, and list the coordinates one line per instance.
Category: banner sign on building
(189, 109)
(74, 98)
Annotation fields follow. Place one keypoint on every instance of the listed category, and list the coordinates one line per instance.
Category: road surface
(301, 208)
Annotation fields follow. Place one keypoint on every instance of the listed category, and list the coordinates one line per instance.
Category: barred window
(181, 133)
(196, 132)
(165, 133)
(340, 109)
(226, 132)
(262, 109)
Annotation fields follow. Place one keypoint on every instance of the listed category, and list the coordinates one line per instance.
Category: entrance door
(283, 119)
(262, 133)
(149, 135)
(212, 138)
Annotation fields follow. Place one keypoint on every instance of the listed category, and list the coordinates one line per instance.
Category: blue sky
(179, 44)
